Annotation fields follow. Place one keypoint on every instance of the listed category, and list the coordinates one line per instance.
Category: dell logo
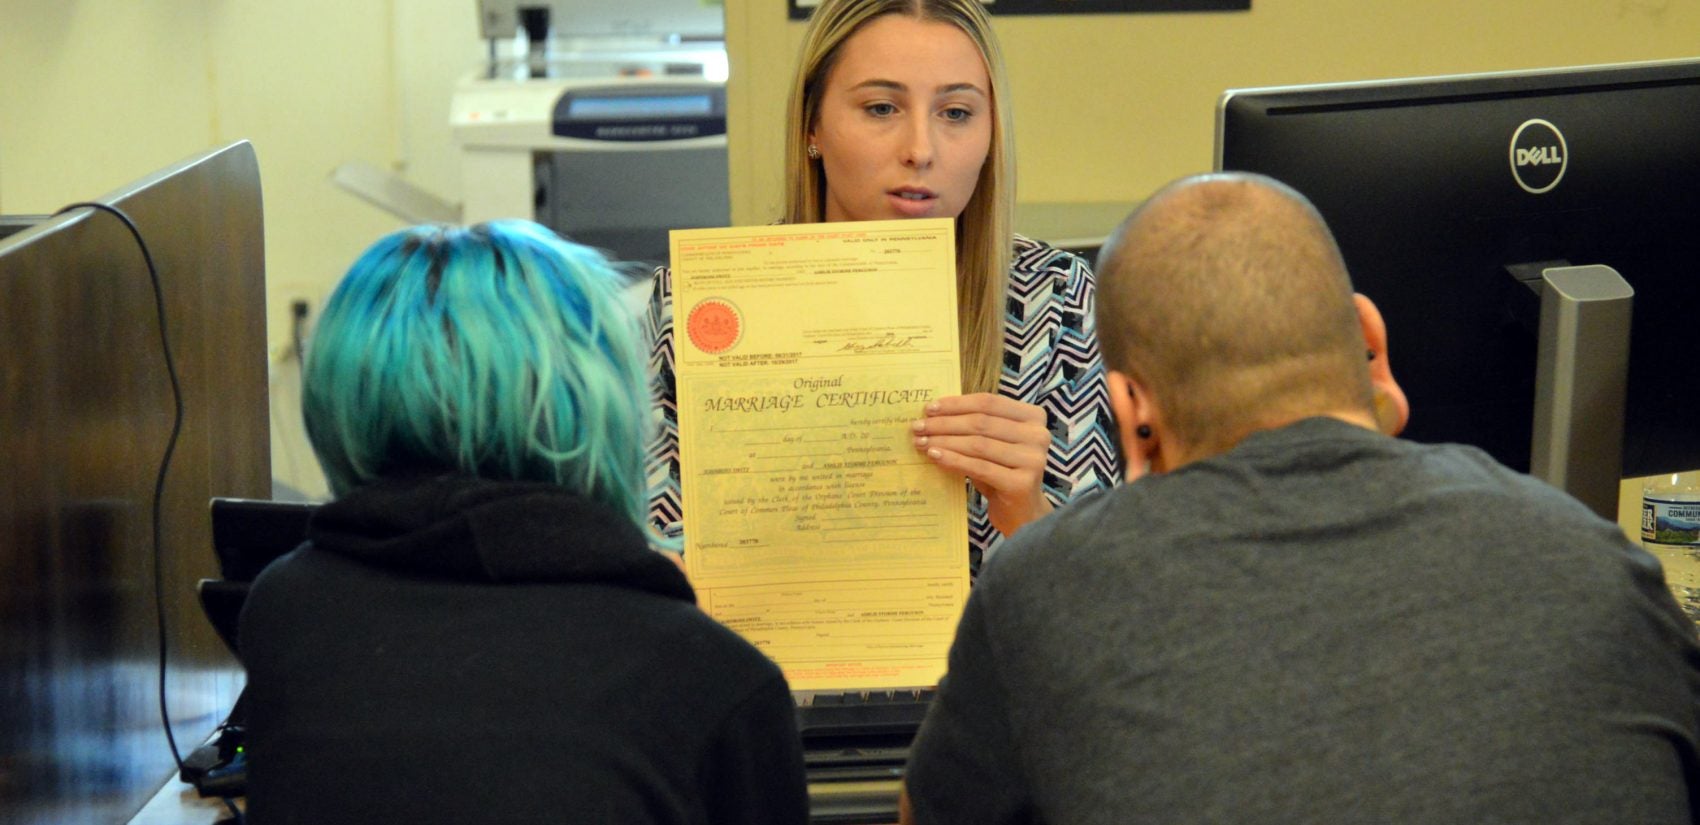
(1539, 156)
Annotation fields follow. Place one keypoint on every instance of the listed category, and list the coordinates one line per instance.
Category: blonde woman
(900, 109)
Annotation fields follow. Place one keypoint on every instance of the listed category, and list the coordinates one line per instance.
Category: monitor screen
(1434, 186)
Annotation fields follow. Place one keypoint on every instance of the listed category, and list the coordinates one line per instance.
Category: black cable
(164, 467)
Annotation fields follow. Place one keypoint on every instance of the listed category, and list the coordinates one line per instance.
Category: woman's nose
(918, 146)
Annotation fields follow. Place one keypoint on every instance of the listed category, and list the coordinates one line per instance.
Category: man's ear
(1392, 410)
(1132, 409)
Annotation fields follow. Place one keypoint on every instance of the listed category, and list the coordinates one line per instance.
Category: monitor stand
(1581, 379)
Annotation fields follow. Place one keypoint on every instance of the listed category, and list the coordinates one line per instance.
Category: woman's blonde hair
(984, 239)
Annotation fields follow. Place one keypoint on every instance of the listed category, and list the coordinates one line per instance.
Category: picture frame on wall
(801, 9)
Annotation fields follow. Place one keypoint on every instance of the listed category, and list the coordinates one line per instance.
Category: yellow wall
(102, 92)
(1108, 107)
(314, 84)
(78, 75)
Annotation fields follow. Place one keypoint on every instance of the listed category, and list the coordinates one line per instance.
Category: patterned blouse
(1050, 360)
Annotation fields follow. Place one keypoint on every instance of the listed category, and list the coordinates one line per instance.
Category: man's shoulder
(1444, 498)
(1072, 540)
(1450, 466)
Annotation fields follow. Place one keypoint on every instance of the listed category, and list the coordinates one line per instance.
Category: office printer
(604, 121)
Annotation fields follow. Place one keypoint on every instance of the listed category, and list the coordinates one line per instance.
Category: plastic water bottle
(1670, 509)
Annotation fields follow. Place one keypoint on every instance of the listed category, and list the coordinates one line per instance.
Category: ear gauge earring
(1143, 431)
(1371, 355)
(814, 152)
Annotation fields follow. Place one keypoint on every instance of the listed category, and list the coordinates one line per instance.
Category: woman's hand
(997, 443)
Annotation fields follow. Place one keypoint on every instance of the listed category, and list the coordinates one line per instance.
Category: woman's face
(904, 122)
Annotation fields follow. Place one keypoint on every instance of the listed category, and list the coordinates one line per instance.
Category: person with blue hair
(478, 628)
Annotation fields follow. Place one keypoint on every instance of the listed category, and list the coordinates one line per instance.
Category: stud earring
(814, 152)
(1143, 431)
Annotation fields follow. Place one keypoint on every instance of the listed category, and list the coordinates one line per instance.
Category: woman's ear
(1392, 409)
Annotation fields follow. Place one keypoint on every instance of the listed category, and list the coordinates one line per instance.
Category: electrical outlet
(291, 347)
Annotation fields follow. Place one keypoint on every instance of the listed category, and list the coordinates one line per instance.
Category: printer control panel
(629, 113)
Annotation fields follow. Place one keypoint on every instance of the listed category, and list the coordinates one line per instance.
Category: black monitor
(1438, 188)
(86, 412)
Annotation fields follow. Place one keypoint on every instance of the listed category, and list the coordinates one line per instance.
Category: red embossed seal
(714, 325)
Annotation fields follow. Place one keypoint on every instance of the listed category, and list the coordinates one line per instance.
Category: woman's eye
(957, 114)
(880, 109)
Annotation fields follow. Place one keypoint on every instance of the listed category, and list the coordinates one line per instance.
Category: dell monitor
(1443, 191)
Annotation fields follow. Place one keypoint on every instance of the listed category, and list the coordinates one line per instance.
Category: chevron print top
(1050, 360)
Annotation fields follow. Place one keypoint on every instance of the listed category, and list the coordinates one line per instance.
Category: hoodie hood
(493, 531)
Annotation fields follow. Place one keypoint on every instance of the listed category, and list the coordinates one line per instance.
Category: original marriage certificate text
(812, 526)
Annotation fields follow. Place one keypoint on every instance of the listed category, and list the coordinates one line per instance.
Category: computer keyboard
(855, 747)
(862, 713)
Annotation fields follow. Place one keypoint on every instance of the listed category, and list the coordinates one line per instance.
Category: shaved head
(1226, 297)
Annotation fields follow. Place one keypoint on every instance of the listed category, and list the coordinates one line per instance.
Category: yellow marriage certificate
(812, 525)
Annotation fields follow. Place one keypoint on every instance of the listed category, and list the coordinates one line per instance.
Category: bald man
(1293, 617)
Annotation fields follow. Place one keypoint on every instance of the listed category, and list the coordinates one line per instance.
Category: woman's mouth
(912, 201)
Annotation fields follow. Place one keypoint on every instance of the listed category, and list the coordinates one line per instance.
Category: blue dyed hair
(497, 351)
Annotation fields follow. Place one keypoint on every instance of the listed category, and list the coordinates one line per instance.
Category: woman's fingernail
(935, 453)
(918, 426)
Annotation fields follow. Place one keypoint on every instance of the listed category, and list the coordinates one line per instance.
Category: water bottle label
(1670, 522)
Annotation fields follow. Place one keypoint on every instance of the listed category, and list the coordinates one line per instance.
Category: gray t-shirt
(1324, 625)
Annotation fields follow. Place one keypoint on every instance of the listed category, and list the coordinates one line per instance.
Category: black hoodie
(452, 650)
